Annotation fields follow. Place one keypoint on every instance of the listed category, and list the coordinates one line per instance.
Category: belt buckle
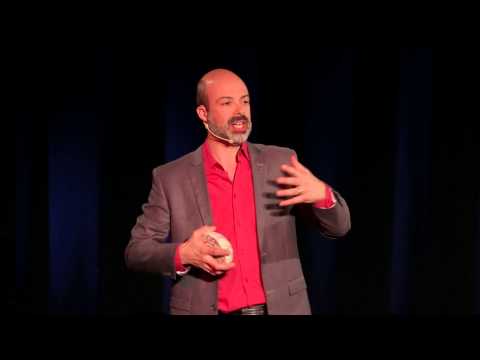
(254, 310)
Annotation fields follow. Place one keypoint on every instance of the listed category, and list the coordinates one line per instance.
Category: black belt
(250, 310)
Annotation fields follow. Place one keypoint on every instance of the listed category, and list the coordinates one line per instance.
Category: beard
(227, 133)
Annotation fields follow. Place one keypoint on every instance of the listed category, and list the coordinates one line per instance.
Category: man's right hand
(197, 252)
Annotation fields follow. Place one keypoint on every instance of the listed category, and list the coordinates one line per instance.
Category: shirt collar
(210, 161)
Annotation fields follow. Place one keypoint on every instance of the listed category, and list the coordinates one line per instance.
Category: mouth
(239, 125)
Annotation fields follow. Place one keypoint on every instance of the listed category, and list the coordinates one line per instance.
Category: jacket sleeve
(148, 249)
(333, 222)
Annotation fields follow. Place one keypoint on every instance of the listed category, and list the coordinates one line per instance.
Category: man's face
(229, 109)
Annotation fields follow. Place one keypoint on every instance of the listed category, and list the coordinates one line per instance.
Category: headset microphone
(219, 137)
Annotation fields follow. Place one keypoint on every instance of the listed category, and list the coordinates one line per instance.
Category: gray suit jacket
(178, 204)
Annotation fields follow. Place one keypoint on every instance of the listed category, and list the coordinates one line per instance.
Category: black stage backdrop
(92, 123)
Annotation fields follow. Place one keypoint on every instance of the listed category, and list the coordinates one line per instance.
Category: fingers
(288, 181)
(209, 228)
(217, 265)
(217, 251)
(290, 192)
(201, 232)
(296, 200)
(207, 251)
(210, 242)
(296, 164)
(206, 229)
(207, 268)
(290, 170)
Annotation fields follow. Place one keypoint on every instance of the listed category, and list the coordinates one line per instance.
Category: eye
(247, 101)
(226, 103)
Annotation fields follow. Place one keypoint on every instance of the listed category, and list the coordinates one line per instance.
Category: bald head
(218, 81)
(223, 105)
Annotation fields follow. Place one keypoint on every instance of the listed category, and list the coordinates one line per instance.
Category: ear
(202, 113)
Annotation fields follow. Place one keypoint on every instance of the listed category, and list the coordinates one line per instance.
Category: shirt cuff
(179, 268)
(328, 202)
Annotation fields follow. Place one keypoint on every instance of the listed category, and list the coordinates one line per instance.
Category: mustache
(238, 118)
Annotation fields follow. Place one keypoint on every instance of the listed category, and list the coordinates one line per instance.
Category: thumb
(208, 228)
(204, 230)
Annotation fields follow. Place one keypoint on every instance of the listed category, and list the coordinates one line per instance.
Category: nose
(239, 109)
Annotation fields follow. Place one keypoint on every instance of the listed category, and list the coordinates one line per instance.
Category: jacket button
(213, 307)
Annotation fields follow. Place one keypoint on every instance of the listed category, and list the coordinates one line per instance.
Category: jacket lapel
(259, 174)
(199, 186)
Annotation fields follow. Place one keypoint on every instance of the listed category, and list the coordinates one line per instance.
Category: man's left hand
(306, 187)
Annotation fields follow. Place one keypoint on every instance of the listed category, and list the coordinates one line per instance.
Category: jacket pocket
(180, 303)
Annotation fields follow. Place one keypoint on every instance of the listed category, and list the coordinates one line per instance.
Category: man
(250, 193)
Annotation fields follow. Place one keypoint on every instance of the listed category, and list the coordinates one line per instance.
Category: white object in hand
(223, 243)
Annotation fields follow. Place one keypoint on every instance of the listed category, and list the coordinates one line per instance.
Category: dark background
(92, 123)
